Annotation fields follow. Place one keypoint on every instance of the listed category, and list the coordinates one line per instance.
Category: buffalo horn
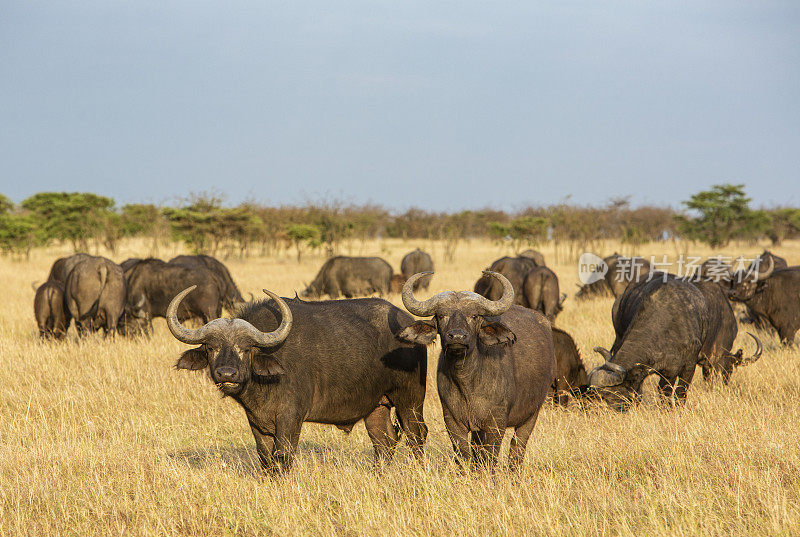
(768, 272)
(756, 355)
(497, 307)
(609, 364)
(261, 339)
(414, 306)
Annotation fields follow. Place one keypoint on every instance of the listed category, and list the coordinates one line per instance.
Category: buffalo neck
(475, 372)
(256, 396)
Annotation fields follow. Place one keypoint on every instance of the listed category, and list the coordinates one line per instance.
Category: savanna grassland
(104, 437)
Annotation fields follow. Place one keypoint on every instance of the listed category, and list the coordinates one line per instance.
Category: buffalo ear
(496, 333)
(420, 332)
(193, 359)
(266, 366)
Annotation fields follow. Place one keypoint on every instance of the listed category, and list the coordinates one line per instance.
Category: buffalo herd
(287, 361)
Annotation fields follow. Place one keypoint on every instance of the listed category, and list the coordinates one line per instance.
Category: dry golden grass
(105, 438)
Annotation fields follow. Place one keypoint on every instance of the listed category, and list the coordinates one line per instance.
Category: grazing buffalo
(774, 296)
(540, 292)
(95, 294)
(351, 277)
(415, 262)
(232, 297)
(337, 362)
(570, 373)
(129, 263)
(495, 368)
(537, 257)
(621, 271)
(152, 283)
(64, 265)
(624, 270)
(719, 358)
(52, 317)
(661, 328)
(514, 269)
(599, 287)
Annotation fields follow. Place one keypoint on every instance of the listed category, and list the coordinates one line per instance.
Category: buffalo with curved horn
(771, 298)
(287, 362)
(495, 368)
(718, 358)
(663, 327)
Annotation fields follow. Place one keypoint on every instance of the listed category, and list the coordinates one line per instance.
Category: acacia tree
(784, 224)
(303, 235)
(6, 205)
(18, 230)
(74, 216)
(723, 214)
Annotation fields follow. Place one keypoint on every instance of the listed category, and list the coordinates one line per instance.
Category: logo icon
(591, 268)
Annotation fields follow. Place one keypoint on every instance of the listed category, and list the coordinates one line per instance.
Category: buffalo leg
(682, 384)
(414, 427)
(287, 436)
(110, 327)
(486, 447)
(519, 442)
(666, 387)
(382, 433)
(708, 370)
(265, 444)
(787, 335)
(459, 436)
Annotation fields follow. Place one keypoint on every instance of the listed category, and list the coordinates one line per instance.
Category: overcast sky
(436, 105)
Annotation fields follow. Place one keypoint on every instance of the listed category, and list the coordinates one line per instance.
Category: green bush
(73, 216)
(723, 214)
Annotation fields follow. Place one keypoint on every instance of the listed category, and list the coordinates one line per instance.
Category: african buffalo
(129, 263)
(232, 297)
(570, 372)
(64, 265)
(334, 362)
(621, 271)
(719, 358)
(496, 366)
(773, 295)
(599, 287)
(540, 292)
(749, 316)
(151, 285)
(537, 257)
(661, 328)
(763, 261)
(52, 317)
(415, 262)
(351, 276)
(514, 269)
(95, 294)
(624, 270)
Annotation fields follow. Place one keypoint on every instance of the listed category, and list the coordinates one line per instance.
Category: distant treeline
(716, 217)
